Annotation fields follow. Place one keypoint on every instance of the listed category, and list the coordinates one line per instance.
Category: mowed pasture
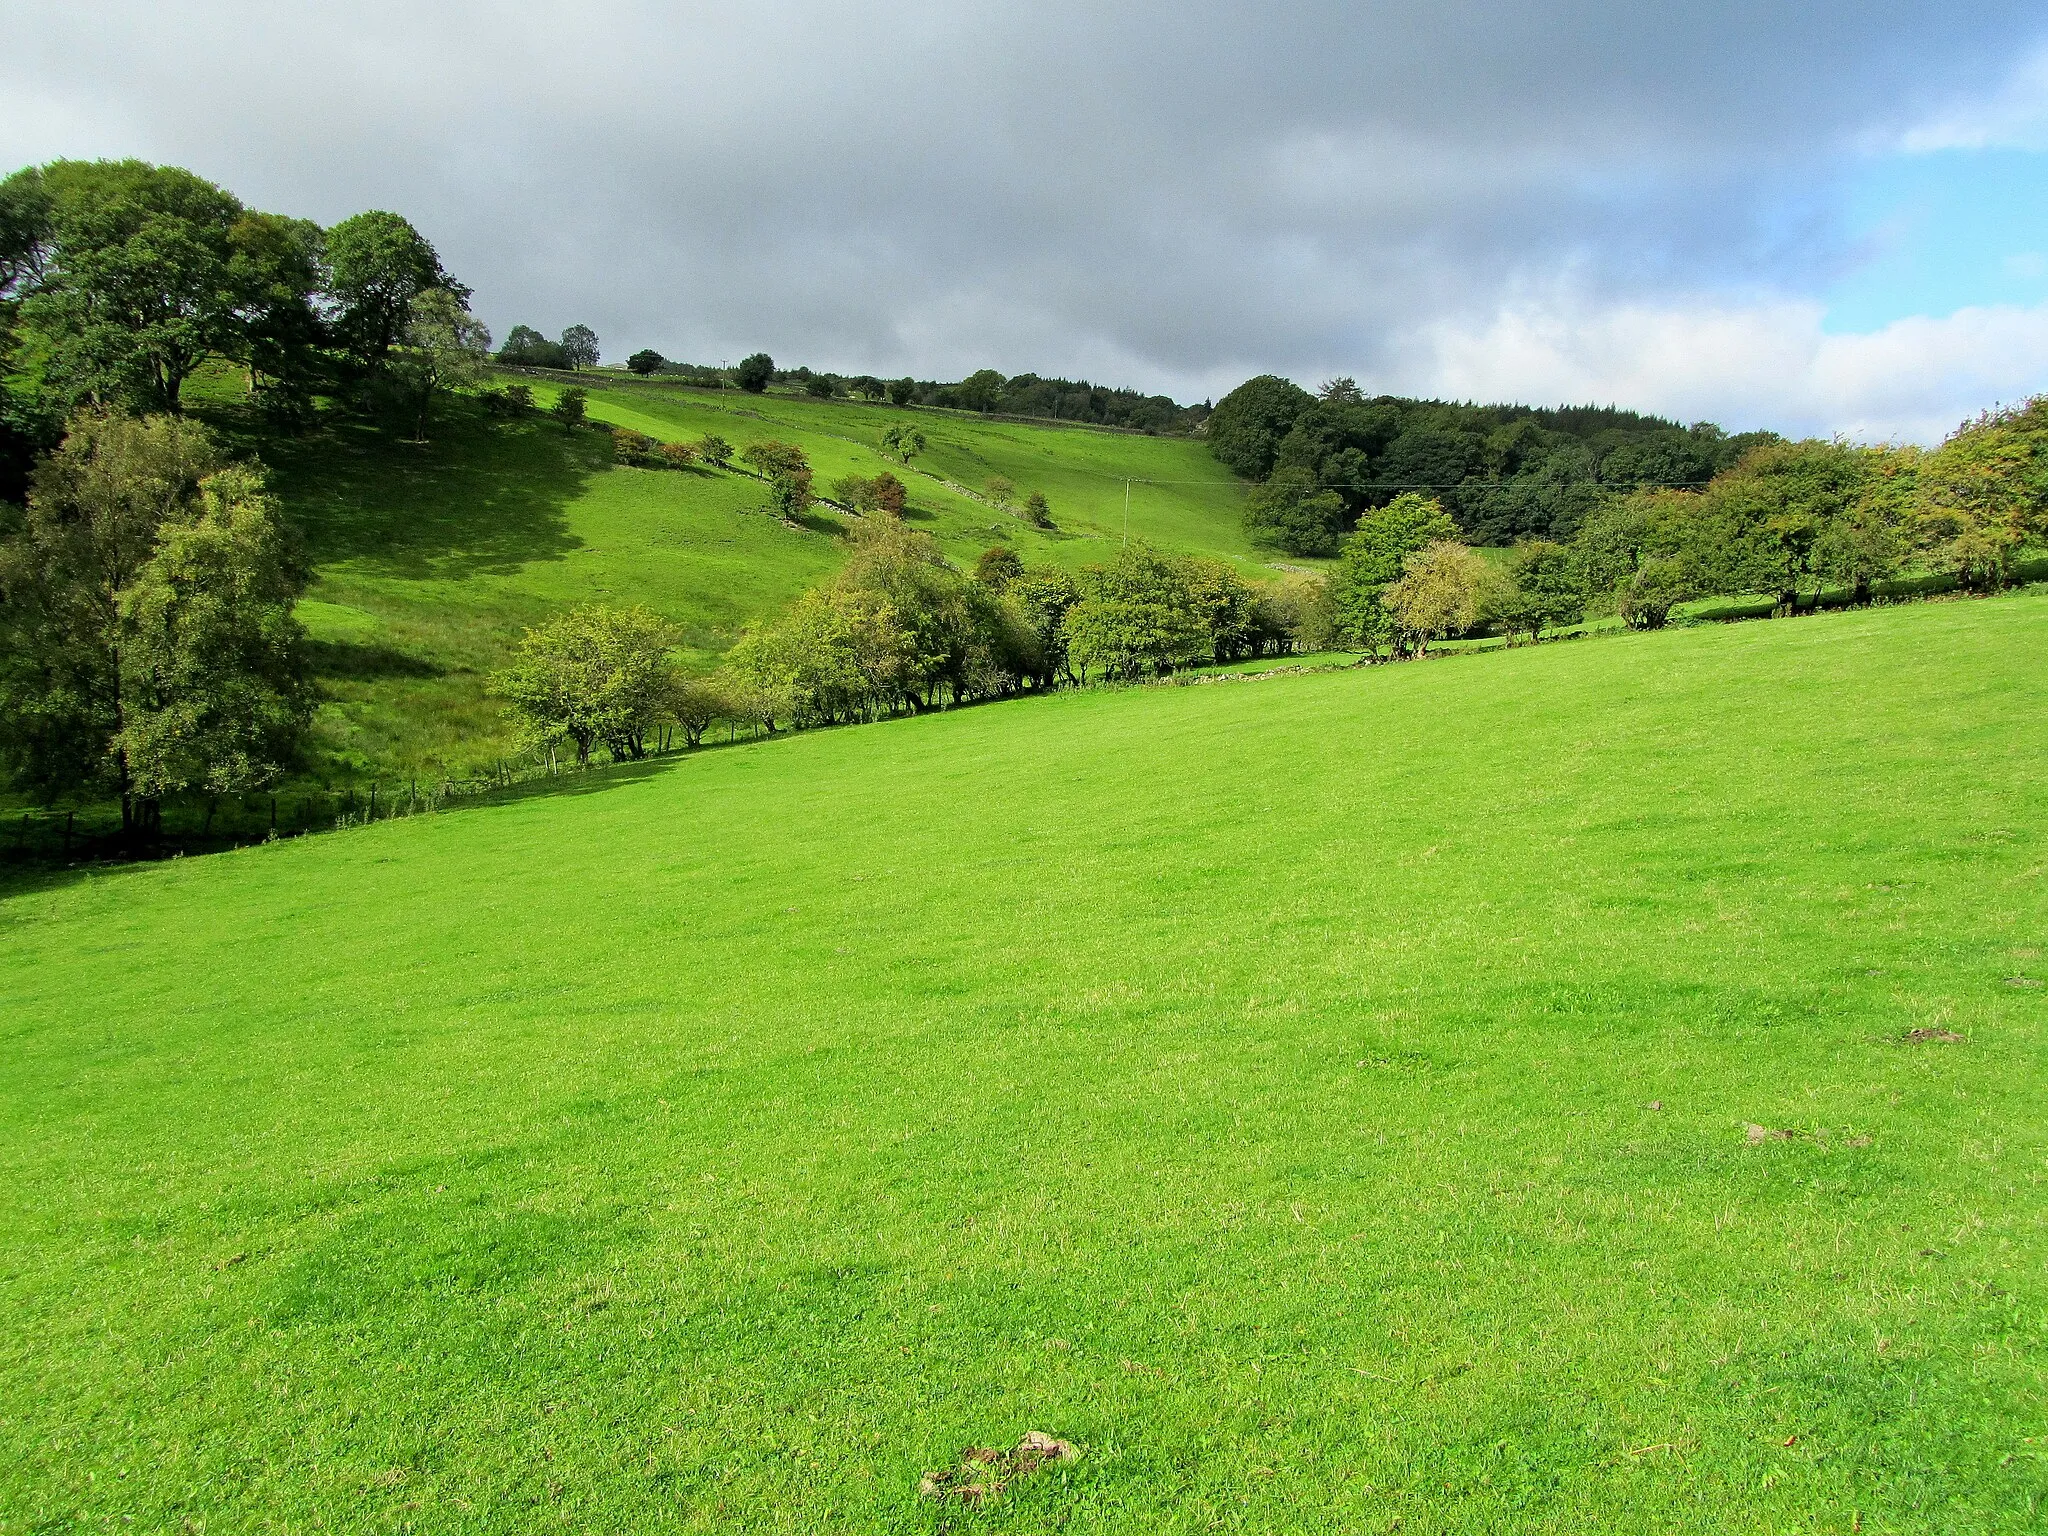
(1479, 1094)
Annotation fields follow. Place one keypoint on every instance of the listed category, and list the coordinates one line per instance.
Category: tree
(998, 567)
(891, 495)
(903, 443)
(1442, 591)
(1136, 616)
(527, 348)
(446, 348)
(1002, 491)
(787, 471)
(714, 450)
(646, 361)
(1870, 540)
(127, 277)
(902, 391)
(569, 408)
(1373, 558)
(147, 643)
(276, 270)
(1544, 590)
(378, 264)
(819, 386)
(1036, 511)
(212, 650)
(980, 390)
(698, 703)
(1775, 509)
(868, 387)
(1290, 512)
(579, 346)
(597, 675)
(1984, 493)
(1045, 596)
(754, 372)
(1654, 588)
(1246, 428)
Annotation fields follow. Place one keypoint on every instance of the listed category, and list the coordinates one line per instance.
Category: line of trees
(1503, 472)
(578, 349)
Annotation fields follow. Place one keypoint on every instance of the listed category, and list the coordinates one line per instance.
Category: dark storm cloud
(1171, 196)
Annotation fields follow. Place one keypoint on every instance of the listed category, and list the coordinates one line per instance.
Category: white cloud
(1765, 365)
(2015, 116)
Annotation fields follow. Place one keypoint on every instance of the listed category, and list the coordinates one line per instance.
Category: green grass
(1257, 1084)
(431, 559)
(1181, 499)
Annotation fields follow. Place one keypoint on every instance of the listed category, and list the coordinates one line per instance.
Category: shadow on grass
(479, 497)
(348, 660)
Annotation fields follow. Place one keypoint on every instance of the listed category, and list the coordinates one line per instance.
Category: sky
(1833, 221)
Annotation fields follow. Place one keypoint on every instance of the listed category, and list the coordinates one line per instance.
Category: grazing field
(430, 559)
(1479, 1095)
(1180, 498)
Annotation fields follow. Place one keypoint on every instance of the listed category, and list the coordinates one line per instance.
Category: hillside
(1476, 1094)
(430, 559)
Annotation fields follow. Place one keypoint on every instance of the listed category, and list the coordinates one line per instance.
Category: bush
(676, 455)
(1036, 512)
(714, 450)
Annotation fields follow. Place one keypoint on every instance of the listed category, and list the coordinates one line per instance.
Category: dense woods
(1503, 472)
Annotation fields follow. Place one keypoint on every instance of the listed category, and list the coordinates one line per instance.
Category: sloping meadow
(1316, 1101)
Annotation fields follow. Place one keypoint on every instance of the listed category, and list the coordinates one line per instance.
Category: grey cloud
(1170, 196)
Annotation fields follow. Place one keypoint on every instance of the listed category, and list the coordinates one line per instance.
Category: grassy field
(430, 559)
(1474, 1095)
(1180, 498)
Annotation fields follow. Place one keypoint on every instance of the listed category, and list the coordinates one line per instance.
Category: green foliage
(998, 566)
(1246, 428)
(1373, 558)
(129, 275)
(714, 450)
(527, 348)
(1137, 617)
(1545, 589)
(903, 443)
(147, 640)
(215, 696)
(570, 408)
(1037, 511)
(646, 361)
(579, 346)
(788, 473)
(1444, 589)
(872, 493)
(1002, 491)
(1983, 494)
(379, 265)
(445, 348)
(1292, 513)
(597, 675)
(754, 372)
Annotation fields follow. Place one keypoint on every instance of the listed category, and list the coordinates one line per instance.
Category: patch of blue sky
(1940, 231)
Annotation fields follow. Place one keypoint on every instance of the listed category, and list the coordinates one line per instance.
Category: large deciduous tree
(127, 276)
(754, 372)
(147, 643)
(378, 265)
(1246, 428)
(579, 346)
